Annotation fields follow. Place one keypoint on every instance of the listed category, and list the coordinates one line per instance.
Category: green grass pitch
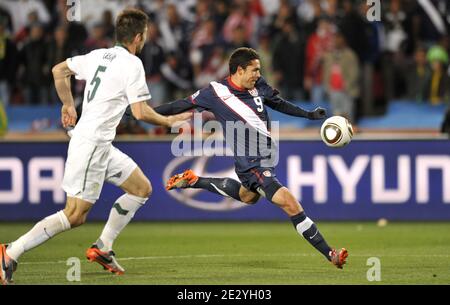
(243, 253)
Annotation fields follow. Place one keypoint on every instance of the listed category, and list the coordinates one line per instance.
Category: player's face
(251, 74)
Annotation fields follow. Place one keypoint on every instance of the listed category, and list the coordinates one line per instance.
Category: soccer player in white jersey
(115, 78)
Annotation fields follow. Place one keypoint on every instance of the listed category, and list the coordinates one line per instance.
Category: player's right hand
(68, 116)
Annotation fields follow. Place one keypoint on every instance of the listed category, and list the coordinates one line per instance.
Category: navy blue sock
(309, 231)
(222, 186)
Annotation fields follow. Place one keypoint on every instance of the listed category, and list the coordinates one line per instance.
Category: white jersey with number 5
(114, 79)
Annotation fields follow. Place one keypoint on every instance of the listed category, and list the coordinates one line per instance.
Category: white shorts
(88, 165)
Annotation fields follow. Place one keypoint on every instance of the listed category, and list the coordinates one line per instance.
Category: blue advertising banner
(397, 180)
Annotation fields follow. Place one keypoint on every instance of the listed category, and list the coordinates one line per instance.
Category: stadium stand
(403, 81)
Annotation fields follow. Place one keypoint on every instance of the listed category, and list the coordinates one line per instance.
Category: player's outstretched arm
(143, 112)
(273, 100)
(61, 76)
(280, 105)
(175, 107)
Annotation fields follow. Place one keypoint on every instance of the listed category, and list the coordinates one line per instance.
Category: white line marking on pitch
(239, 255)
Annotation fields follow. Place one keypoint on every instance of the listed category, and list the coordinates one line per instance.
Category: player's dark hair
(241, 57)
(129, 23)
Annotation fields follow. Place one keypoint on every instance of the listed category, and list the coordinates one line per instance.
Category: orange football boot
(183, 180)
(106, 259)
(339, 258)
(7, 266)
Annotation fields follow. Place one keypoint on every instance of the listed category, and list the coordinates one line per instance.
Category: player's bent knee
(248, 197)
(252, 199)
(144, 189)
(292, 208)
(76, 220)
(76, 215)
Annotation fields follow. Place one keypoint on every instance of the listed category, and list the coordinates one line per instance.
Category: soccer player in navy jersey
(241, 98)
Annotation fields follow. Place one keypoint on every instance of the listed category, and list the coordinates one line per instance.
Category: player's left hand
(179, 119)
(317, 114)
(68, 116)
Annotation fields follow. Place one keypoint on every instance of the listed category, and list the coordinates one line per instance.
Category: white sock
(121, 214)
(40, 233)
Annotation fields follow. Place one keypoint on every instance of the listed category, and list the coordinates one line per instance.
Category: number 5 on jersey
(96, 80)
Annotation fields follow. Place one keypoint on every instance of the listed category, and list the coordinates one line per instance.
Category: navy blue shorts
(260, 178)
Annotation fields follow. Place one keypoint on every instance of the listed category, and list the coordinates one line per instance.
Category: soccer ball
(336, 131)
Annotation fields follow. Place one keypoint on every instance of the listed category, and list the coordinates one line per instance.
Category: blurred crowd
(311, 50)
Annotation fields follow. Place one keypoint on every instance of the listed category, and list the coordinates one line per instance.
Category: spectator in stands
(242, 15)
(353, 27)
(8, 62)
(317, 45)
(174, 31)
(288, 63)
(341, 77)
(215, 67)
(221, 10)
(309, 13)
(98, 39)
(266, 58)
(393, 59)
(205, 34)
(23, 33)
(207, 50)
(308, 10)
(437, 90)
(285, 12)
(417, 75)
(178, 74)
(331, 10)
(431, 20)
(203, 11)
(33, 60)
(5, 16)
(155, 9)
(153, 57)
(108, 25)
(76, 31)
(58, 50)
(197, 29)
(372, 93)
(238, 38)
(20, 12)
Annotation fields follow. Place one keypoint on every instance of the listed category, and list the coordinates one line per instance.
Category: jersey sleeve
(269, 93)
(202, 99)
(136, 88)
(77, 65)
(273, 100)
(271, 96)
(175, 107)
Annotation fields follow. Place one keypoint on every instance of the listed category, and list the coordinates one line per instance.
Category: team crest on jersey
(195, 95)
(254, 92)
(267, 173)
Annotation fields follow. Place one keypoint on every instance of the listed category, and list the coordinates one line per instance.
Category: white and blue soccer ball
(336, 131)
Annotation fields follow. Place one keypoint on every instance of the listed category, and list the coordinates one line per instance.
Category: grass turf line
(242, 253)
